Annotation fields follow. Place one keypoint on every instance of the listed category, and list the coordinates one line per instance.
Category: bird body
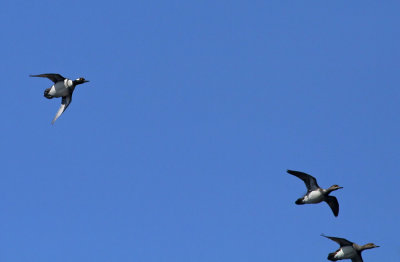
(62, 87)
(348, 250)
(315, 194)
(313, 197)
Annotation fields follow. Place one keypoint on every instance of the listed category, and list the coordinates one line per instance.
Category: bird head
(369, 246)
(80, 80)
(334, 187)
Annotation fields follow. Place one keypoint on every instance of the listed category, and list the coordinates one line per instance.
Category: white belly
(346, 252)
(60, 89)
(313, 197)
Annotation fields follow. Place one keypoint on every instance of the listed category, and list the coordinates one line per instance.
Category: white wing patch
(66, 100)
(345, 253)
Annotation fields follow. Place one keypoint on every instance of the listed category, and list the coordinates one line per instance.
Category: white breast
(313, 197)
(60, 88)
(346, 252)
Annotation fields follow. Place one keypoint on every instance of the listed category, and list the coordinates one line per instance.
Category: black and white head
(80, 80)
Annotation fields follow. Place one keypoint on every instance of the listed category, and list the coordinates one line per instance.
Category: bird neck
(367, 246)
(330, 189)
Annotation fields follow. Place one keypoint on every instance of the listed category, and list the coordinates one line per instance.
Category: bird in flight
(62, 87)
(348, 250)
(315, 194)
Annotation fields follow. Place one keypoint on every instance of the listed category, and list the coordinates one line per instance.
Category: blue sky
(178, 147)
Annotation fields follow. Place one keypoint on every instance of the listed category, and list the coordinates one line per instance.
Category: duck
(316, 194)
(348, 250)
(62, 87)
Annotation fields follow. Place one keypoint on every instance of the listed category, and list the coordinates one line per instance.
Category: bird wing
(53, 77)
(357, 258)
(66, 100)
(310, 181)
(341, 241)
(334, 204)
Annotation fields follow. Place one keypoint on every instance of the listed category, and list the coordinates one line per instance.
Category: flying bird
(315, 194)
(348, 250)
(63, 87)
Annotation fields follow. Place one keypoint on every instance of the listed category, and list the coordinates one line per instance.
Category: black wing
(310, 181)
(334, 204)
(53, 77)
(357, 258)
(341, 241)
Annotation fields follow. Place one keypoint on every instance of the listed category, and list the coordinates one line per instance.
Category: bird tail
(46, 93)
(331, 256)
(299, 201)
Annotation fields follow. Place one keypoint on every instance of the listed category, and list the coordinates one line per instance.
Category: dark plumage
(348, 250)
(315, 194)
(63, 87)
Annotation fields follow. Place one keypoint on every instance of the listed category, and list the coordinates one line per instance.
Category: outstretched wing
(66, 100)
(334, 204)
(341, 241)
(357, 258)
(310, 181)
(53, 77)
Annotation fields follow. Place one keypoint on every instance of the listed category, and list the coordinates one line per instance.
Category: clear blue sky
(177, 149)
